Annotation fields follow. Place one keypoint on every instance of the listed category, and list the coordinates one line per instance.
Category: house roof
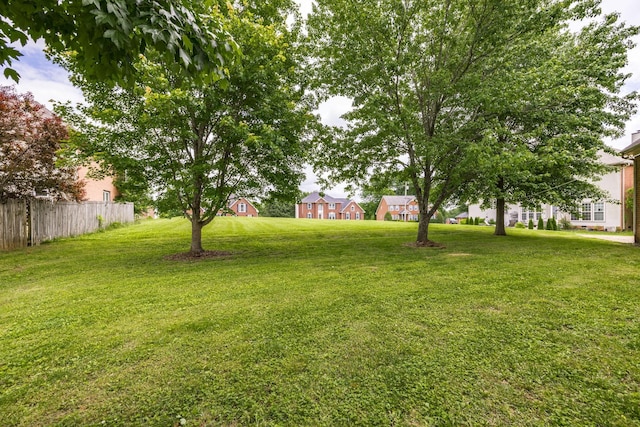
(348, 202)
(632, 150)
(398, 200)
(611, 160)
(312, 198)
(315, 197)
(395, 200)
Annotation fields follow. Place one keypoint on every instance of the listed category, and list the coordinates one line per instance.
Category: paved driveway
(619, 239)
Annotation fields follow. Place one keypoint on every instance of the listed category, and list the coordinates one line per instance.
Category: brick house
(242, 207)
(401, 208)
(97, 190)
(316, 206)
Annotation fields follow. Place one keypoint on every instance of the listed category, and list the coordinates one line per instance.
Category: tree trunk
(423, 230)
(196, 237)
(500, 229)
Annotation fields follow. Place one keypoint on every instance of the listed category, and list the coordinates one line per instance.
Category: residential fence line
(35, 221)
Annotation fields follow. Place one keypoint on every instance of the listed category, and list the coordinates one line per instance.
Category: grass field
(324, 323)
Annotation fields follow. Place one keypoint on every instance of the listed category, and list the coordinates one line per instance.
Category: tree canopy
(106, 36)
(430, 79)
(560, 100)
(30, 138)
(195, 144)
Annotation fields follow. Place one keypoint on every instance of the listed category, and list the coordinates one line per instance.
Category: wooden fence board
(14, 232)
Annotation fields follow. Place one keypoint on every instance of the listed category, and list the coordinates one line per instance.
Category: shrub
(476, 221)
(519, 225)
(549, 225)
(530, 225)
(555, 224)
(565, 224)
(387, 216)
(540, 224)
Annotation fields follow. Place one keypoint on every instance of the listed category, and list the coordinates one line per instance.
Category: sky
(47, 82)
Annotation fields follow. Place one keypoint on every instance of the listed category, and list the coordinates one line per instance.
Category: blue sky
(47, 81)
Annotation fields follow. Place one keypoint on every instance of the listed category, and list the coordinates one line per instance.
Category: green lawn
(320, 323)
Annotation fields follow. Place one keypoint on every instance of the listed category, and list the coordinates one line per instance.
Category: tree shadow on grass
(199, 256)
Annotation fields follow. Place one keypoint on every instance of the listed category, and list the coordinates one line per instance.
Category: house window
(309, 206)
(390, 208)
(347, 216)
(332, 206)
(106, 196)
(332, 215)
(242, 207)
(309, 215)
(598, 211)
(585, 212)
(357, 215)
(533, 215)
(589, 212)
(353, 208)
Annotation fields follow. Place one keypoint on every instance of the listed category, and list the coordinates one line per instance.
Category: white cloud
(331, 111)
(44, 79)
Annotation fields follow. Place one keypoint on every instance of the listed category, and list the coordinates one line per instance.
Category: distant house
(242, 207)
(606, 214)
(401, 208)
(462, 216)
(317, 206)
(239, 206)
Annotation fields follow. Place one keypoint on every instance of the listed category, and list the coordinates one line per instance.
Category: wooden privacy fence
(32, 222)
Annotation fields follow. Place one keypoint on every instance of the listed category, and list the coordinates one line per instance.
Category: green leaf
(12, 74)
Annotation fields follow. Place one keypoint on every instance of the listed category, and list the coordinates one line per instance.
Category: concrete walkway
(619, 239)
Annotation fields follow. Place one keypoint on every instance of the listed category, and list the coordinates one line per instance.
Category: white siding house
(594, 214)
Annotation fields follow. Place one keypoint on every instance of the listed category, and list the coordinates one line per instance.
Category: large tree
(30, 138)
(106, 36)
(559, 100)
(421, 75)
(198, 144)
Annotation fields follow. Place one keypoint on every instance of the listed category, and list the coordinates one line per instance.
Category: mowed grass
(324, 323)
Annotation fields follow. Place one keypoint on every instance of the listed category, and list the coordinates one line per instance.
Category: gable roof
(311, 198)
(348, 202)
(233, 200)
(315, 197)
(398, 200)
